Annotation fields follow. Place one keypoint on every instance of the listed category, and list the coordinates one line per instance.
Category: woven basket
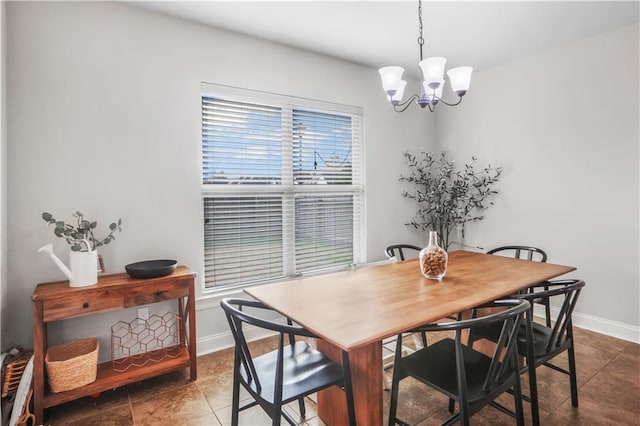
(72, 365)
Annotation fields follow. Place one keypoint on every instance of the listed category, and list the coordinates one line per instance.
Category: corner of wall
(3, 168)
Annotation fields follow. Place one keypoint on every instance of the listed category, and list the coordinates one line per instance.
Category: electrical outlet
(143, 313)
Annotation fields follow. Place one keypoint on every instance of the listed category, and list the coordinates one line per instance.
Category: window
(282, 186)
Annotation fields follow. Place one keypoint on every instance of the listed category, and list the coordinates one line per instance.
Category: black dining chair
(521, 252)
(540, 343)
(534, 254)
(391, 251)
(465, 375)
(397, 252)
(289, 373)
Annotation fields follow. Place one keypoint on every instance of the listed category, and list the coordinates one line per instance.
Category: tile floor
(608, 380)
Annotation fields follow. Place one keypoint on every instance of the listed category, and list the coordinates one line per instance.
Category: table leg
(366, 375)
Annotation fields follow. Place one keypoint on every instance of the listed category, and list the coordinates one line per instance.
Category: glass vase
(433, 259)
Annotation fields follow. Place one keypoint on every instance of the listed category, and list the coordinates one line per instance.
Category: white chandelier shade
(460, 79)
(433, 70)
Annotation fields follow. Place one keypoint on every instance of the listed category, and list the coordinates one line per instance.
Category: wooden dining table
(355, 310)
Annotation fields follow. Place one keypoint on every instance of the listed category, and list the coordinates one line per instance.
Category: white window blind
(324, 230)
(243, 239)
(241, 142)
(281, 186)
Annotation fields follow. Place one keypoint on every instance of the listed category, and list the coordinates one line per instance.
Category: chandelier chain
(420, 39)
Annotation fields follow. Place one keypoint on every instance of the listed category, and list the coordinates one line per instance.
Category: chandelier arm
(447, 103)
(402, 106)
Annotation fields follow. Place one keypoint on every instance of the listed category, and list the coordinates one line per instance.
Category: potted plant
(83, 259)
(448, 198)
(80, 236)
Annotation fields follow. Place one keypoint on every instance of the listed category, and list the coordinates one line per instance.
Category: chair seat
(436, 367)
(541, 337)
(305, 371)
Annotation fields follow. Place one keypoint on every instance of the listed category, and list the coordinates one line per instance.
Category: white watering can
(83, 264)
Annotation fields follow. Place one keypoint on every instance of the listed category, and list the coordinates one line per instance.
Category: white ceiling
(378, 33)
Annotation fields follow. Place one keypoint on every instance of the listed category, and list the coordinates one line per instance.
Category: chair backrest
(504, 362)
(569, 291)
(233, 309)
(390, 251)
(531, 253)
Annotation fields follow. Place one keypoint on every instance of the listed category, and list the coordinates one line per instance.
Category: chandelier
(433, 75)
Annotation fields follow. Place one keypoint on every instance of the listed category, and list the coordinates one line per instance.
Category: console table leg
(191, 313)
(39, 346)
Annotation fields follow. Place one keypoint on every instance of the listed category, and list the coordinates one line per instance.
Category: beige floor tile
(211, 365)
(416, 402)
(119, 416)
(89, 407)
(156, 385)
(218, 390)
(172, 407)
(206, 420)
(253, 416)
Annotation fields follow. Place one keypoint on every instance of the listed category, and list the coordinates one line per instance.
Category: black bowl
(151, 268)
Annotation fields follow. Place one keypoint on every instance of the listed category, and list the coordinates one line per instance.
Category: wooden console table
(57, 301)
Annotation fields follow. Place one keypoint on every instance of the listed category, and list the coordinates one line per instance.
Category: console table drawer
(81, 304)
(159, 292)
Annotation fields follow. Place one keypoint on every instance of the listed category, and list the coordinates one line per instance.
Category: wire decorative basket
(141, 341)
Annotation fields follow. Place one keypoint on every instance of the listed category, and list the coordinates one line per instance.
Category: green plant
(448, 198)
(80, 236)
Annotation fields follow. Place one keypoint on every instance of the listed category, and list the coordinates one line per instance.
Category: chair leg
(572, 374)
(547, 312)
(533, 392)
(517, 399)
(393, 404)
(464, 415)
(303, 411)
(235, 405)
(452, 405)
(277, 414)
(531, 368)
(470, 338)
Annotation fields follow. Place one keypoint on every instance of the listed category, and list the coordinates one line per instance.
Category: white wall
(104, 109)
(3, 172)
(564, 125)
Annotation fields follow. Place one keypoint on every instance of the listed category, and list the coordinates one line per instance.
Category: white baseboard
(599, 325)
(220, 341)
(224, 340)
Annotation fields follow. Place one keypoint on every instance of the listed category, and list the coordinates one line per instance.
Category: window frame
(287, 188)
